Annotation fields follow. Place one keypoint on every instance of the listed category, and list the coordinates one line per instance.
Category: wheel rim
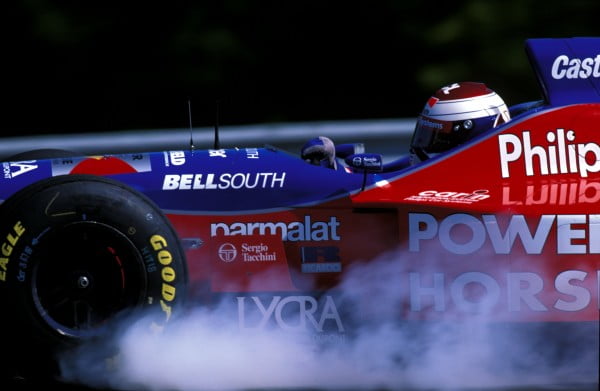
(86, 274)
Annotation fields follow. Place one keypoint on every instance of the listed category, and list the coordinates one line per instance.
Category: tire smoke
(348, 338)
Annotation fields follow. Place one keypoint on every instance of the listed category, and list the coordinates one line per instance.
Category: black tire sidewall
(44, 207)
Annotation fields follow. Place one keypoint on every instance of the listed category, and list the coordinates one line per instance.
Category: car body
(503, 227)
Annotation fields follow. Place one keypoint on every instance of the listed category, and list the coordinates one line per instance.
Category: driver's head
(453, 115)
(320, 151)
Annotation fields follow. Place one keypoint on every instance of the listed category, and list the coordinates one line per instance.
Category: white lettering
(482, 302)
(560, 156)
(217, 153)
(580, 295)
(523, 287)
(257, 253)
(177, 158)
(478, 292)
(171, 182)
(252, 153)
(224, 181)
(295, 231)
(21, 168)
(575, 68)
(290, 313)
(417, 290)
(462, 233)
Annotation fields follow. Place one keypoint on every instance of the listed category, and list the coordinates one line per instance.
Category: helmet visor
(433, 136)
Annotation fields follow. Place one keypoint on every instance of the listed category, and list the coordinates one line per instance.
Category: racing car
(86, 240)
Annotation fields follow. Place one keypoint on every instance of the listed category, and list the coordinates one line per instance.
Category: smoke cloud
(349, 338)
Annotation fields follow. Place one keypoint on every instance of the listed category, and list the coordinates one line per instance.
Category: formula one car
(513, 239)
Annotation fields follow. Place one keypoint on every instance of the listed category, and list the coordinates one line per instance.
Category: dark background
(91, 66)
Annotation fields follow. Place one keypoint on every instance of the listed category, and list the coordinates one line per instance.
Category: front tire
(78, 252)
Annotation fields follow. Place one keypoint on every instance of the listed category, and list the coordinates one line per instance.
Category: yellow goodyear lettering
(168, 275)
(164, 257)
(7, 247)
(158, 242)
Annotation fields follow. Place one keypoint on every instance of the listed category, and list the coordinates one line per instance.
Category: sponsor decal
(519, 291)
(174, 158)
(14, 169)
(320, 259)
(366, 161)
(252, 153)
(163, 255)
(561, 155)
(217, 153)
(575, 68)
(9, 242)
(227, 252)
(580, 192)
(289, 313)
(224, 181)
(575, 233)
(102, 165)
(257, 253)
(450, 196)
(306, 230)
(568, 290)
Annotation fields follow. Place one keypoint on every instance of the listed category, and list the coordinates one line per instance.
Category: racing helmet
(319, 151)
(454, 114)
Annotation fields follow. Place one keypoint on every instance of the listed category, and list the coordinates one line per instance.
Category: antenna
(191, 128)
(217, 144)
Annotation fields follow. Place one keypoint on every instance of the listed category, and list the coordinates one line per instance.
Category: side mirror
(344, 150)
(368, 162)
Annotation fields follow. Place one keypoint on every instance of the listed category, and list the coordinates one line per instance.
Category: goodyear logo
(10, 240)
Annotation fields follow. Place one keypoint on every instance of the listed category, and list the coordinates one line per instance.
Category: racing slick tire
(77, 253)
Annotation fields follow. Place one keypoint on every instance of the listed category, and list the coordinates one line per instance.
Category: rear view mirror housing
(342, 151)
